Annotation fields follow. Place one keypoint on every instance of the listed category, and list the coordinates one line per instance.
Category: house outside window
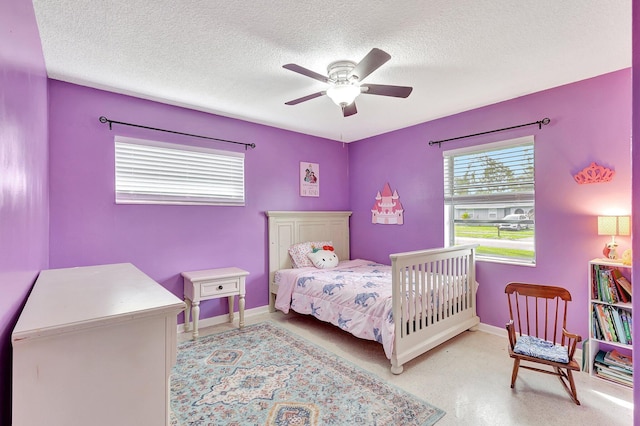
(490, 200)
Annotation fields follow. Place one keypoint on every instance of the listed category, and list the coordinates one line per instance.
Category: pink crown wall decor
(594, 174)
(387, 209)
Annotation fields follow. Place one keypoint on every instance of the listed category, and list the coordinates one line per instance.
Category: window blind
(495, 173)
(150, 172)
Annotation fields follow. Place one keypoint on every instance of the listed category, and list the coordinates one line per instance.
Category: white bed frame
(444, 272)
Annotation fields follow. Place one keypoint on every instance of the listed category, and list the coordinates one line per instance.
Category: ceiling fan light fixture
(345, 78)
(343, 94)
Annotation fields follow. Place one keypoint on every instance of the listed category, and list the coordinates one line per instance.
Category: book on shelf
(612, 323)
(602, 322)
(608, 290)
(613, 288)
(603, 281)
(614, 366)
(626, 318)
(608, 374)
(613, 370)
(609, 285)
(617, 276)
(595, 290)
(615, 358)
(623, 283)
(606, 323)
(617, 322)
(597, 331)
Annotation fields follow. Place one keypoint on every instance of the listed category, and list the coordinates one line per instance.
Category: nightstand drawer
(218, 287)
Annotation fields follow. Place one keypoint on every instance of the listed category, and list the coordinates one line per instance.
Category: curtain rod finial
(104, 119)
(544, 121)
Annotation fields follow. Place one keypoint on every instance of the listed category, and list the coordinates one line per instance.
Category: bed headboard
(290, 227)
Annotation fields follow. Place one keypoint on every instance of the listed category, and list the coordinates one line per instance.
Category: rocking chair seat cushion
(540, 348)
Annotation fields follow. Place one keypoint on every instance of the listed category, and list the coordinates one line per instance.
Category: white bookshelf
(602, 343)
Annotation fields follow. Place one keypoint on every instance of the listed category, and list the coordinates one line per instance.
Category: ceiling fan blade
(349, 109)
(305, 98)
(374, 60)
(308, 73)
(386, 90)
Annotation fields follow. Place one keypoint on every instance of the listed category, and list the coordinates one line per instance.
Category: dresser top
(64, 300)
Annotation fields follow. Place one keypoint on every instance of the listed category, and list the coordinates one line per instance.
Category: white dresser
(94, 345)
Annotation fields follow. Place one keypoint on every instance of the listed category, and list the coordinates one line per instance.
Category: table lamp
(613, 225)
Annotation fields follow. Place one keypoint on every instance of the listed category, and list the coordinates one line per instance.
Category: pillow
(539, 348)
(324, 258)
(298, 252)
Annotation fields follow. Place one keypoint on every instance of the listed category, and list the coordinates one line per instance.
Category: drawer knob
(220, 287)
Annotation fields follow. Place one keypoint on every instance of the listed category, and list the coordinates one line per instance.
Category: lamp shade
(343, 94)
(614, 225)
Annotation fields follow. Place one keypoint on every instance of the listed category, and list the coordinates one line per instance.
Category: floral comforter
(355, 296)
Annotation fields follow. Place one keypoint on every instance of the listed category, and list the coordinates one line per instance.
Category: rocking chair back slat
(546, 319)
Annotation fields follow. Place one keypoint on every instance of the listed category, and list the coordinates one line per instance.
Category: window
(149, 172)
(496, 182)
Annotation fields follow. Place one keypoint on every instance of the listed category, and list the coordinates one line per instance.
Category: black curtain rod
(544, 121)
(104, 119)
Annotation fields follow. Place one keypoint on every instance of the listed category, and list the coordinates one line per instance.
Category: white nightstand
(212, 284)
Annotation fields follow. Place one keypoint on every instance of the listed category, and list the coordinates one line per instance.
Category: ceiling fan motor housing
(340, 72)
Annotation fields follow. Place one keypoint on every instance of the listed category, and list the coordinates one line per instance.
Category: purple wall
(24, 229)
(590, 121)
(635, 158)
(87, 227)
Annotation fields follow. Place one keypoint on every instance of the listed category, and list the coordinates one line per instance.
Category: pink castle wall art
(387, 209)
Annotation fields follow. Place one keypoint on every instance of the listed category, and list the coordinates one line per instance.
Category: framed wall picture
(309, 179)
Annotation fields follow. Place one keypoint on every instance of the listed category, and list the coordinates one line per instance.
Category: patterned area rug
(265, 375)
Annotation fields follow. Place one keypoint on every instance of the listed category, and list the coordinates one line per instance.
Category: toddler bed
(423, 299)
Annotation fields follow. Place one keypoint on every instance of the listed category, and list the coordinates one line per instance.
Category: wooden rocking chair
(537, 332)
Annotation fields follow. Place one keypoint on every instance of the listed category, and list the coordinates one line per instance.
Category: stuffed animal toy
(323, 259)
(626, 257)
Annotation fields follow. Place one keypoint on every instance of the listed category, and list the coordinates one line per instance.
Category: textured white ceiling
(226, 57)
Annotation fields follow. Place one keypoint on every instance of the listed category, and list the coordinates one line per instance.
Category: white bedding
(356, 296)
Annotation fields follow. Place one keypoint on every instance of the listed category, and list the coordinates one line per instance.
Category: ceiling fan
(345, 80)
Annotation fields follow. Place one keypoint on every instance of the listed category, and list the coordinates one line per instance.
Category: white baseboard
(492, 329)
(223, 319)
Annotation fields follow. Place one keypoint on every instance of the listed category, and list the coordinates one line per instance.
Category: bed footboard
(434, 299)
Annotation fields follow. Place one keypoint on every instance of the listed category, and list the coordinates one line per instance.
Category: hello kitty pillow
(298, 252)
(325, 258)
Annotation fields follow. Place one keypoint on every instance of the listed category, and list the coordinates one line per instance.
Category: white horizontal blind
(150, 172)
(493, 173)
